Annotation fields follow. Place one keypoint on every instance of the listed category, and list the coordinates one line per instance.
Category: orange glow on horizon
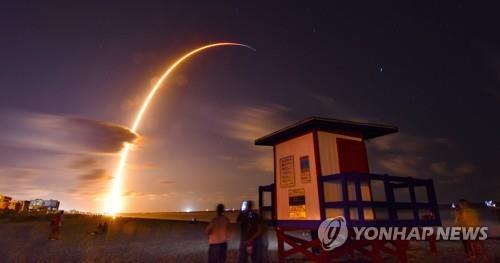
(114, 202)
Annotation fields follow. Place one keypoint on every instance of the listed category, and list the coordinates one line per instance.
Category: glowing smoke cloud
(114, 201)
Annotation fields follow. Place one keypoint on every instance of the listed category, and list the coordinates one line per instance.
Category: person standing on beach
(466, 216)
(251, 235)
(55, 226)
(217, 236)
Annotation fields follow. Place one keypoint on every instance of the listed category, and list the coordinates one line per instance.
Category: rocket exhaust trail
(114, 201)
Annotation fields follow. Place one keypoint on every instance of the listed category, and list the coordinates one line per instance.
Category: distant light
(188, 210)
(453, 205)
(490, 203)
(233, 209)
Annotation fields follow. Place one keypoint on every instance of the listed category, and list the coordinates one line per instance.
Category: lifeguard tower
(321, 171)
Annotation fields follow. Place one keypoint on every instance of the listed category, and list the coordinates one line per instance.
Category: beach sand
(153, 240)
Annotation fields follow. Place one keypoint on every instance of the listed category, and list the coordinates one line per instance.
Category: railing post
(359, 197)
(345, 197)
(413, 199)
(260, 199)
(389, 195)
(321, 192)
(273, 202)
(431, 196)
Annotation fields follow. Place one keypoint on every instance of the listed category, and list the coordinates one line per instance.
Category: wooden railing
(422, 213)
(267, 208)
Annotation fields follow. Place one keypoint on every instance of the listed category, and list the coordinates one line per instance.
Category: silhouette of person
(105, 228)
(466, 216)
(55, 226)
(251, 235)
(102, 228)
(217, 236)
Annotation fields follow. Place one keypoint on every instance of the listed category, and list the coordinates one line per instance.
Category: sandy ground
(149, 240)
(128, 240)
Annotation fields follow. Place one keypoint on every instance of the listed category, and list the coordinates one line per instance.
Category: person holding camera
(251, 234)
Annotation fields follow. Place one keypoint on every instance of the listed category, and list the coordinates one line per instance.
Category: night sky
(72, 77)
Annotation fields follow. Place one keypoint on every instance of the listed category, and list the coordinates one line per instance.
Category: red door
(352, 159)
(352, 156)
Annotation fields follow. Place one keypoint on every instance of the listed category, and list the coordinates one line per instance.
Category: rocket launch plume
(114, 201)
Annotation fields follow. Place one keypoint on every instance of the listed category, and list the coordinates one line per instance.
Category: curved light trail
(114, 200)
